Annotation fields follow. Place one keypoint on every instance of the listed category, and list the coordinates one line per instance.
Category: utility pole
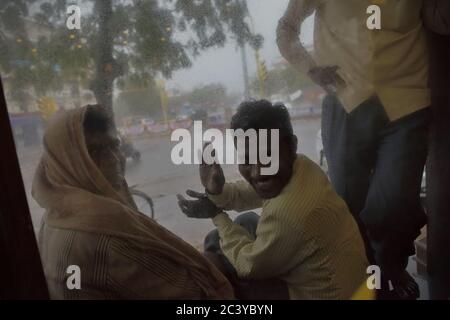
(245, 71)
(260, 66)
(262, 75)
(164, 97)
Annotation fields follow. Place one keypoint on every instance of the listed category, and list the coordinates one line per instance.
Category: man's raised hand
(211, 175)
(326, 77)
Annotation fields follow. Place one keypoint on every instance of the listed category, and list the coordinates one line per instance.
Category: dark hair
(262, 114)
(97, 120)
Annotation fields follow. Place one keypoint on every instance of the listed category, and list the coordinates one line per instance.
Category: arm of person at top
(291, 48)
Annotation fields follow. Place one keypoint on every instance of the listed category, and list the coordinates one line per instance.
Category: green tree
(140, 37)
(282, 80)
(138, 97)
(27, 65)
(209, 96)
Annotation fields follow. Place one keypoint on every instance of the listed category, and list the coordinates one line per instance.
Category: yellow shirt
(306, 236)
(364, 293)
(391, 62)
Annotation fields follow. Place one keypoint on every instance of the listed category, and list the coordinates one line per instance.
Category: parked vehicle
(128, 149)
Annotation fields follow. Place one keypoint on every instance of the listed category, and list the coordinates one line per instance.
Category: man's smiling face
(270, 186)
(263, 115)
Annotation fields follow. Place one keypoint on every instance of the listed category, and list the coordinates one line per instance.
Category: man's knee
(249, 221)
(212, 242)
(400, 215)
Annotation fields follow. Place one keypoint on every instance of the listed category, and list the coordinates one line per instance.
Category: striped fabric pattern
(111, 268)
(306, 236)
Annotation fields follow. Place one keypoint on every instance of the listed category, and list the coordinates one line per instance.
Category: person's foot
(404, 287)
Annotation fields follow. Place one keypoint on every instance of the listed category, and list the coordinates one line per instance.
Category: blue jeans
(247, 220)
(376, 166)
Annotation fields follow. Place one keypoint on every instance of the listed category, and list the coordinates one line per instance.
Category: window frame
(21, 272)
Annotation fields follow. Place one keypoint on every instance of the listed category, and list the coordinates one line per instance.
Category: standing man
(375, 117)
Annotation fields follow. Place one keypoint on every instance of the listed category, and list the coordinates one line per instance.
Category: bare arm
(291, 48)
(288, 32)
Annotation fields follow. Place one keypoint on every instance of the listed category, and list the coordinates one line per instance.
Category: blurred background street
(159, 178)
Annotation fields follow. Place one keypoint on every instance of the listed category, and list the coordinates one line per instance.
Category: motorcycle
(144, 203)
(128, 150)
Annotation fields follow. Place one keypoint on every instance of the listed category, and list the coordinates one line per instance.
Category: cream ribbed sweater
(306, 236)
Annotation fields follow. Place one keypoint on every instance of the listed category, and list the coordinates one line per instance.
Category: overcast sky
(224, 65)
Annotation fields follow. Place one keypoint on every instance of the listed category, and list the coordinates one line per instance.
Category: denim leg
(212, 242)
(350, 146)
(393, 215)
(376, 167)
(349, 142)
(247, 220)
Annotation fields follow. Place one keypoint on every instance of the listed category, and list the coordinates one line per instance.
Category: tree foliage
(143, 38)
(137, 97)
(282, 79)
(209, 96)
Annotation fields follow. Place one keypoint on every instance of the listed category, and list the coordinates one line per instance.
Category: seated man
(92, 222)
(305, 236)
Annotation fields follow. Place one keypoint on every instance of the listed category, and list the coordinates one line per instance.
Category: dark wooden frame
(438, 170)
(21, 274)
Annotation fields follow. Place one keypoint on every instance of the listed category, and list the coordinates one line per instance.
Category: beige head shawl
(77, 196)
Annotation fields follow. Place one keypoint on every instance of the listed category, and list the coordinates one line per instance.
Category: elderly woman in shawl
(91, 221)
